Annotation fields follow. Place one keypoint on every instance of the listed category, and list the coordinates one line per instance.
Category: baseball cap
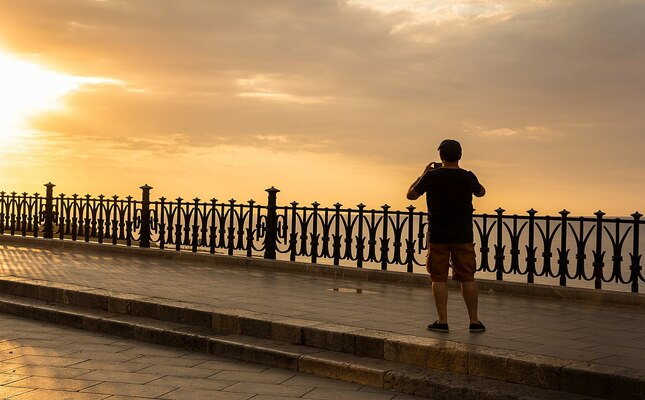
(450, 150)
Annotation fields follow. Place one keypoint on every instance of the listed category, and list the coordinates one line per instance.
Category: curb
(416, 352)
(342, 272)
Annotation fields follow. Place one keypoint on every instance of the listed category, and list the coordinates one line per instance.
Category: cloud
(378, 80)
(267, 88)
(227, 68)
(499, 132)
(526, 132)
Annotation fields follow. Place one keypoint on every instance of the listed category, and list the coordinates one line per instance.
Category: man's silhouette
(449, 192)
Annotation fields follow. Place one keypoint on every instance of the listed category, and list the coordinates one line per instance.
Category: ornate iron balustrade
(598, 249)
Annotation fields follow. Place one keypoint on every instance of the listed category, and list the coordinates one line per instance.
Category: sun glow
(27, 89)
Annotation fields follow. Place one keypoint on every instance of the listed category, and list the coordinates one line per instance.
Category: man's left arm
(478, 189)
(481, 192)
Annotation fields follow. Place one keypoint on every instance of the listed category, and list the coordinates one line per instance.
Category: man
(449, 190)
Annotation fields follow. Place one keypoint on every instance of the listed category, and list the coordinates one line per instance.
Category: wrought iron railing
(595, 249)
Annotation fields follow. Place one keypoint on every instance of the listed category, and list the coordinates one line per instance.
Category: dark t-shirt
(449, 194)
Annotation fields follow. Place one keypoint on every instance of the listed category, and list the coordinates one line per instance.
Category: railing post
(178, 224)
(195, 228)
(162, 223)
(212, 237)
(2, 212)
(231, 228)
(293, 237)
(101, 220)
(88, 229)
(144, 232)
(409, 242)
(48, 232)
(74, 208)
(25, 218)
(272, 224)
(336, 237)
(37, 215)
(315, 236)
(14, 212)
(563, 259)
(636, 258)
(499, 247)
(129, 228)
(598, 254)
(385, 240)
(360, 240)
(249, 230)
(530, 248)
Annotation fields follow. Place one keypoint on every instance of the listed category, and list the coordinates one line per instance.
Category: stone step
(389, 375)
(422, 353)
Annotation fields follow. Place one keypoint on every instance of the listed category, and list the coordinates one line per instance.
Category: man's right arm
(412, 193)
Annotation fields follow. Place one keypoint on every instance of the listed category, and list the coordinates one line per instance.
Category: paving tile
(39, 382)
(183, 394)
(105, 365)
(231, 365)
(42, 343)
(8, 344)
(371, 389)
(564, 352)
(94, 347)
(259, 377)
(129, 389)
(627, 361)
(171, 370)
(91, 338)
(118, 376)
(337, 394)
(7, 391)
(266, 388)
(53, 372)
(193, 383)
(320, 382)
(42, 394)
(34, 351)
(156, 351)
(43, 337)
(104, 355)
(173, 361)
(8, 378)
(46, 361)
(199, 356)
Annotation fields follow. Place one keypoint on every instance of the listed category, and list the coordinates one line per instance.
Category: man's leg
(438, 264)
(440, 294)
(464, 266)
(470, 293)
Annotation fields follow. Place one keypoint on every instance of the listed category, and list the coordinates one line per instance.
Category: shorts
(459, 256)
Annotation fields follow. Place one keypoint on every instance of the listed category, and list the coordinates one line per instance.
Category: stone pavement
(601, 333)
(295, 303)
(40, 360)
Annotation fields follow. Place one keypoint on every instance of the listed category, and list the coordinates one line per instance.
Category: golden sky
(330, 101)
